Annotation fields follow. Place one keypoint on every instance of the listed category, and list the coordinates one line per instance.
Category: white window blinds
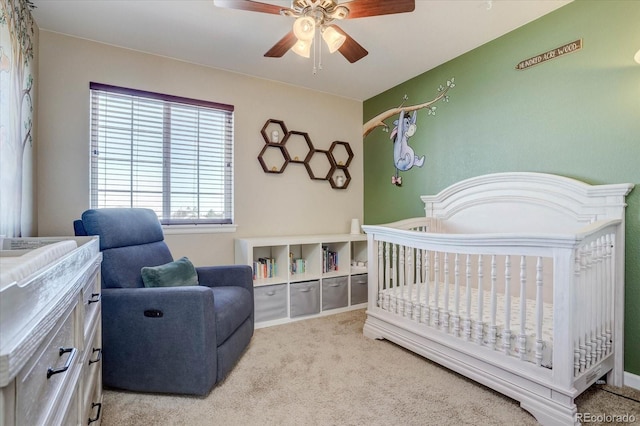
(170, 154)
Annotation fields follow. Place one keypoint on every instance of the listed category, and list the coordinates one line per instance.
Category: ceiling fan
(316, 16)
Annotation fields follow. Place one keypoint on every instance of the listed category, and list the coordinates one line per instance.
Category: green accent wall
(577, 115)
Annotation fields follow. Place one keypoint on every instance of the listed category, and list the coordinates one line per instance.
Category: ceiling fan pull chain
(319, 50)
(315, 47)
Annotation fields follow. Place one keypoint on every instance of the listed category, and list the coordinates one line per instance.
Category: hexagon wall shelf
(299, 147)
(280, 144)
(273, 158)
(320, 165)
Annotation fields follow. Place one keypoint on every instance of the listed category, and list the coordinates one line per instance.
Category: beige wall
(265, 204)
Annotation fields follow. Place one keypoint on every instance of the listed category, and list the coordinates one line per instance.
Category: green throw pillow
(177, 273)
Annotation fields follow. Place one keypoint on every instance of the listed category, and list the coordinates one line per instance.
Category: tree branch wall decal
(404, 156)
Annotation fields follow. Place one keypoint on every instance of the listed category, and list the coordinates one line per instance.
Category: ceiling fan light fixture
(304, 28)
(302, 48)
(315, 16)
(333, 38)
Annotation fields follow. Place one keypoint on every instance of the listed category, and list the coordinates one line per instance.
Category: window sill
(197, 229)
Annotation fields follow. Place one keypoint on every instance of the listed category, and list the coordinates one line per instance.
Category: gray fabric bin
(270, 302)
(305, 298)
(335, 293)
(359, 289)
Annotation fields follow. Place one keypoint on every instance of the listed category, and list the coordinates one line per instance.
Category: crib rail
(514, 294)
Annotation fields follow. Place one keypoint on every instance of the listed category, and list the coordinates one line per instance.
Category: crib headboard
(524, 202)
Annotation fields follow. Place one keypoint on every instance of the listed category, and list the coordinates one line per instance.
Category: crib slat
(578, 358)
(387, 274)
(539, 312)
(590, 301)
(467, 320)
(400, 272)
(419, 279)
(594, 317)
(394, 278)
(506, 334)
(522, 338)
(493, 328)
(456, 300)
(584, 291)
(600, 296)
(410, 281)
(436, 289)
(479, 321)
(445, 316)
(594, 306)
(426, 315)
(602, 279)
(608, 293)
(381, 274)
(603, 291)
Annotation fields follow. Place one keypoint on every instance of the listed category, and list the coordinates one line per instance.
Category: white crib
(515, 280)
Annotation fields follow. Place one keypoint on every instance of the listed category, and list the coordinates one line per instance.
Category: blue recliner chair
(181, 339)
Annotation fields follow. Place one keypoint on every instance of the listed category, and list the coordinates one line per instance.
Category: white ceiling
(400, 46)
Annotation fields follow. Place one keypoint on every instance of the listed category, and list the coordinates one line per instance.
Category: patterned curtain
(16, 107)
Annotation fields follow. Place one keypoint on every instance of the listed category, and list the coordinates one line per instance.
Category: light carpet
(323, 371)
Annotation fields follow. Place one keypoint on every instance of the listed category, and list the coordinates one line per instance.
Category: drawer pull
(270, 293)
(95, 297)
(98, 358)
(305, 290)
(334, 285)
(72, 351)
(94, 405)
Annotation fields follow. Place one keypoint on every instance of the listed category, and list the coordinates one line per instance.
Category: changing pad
(16, 265)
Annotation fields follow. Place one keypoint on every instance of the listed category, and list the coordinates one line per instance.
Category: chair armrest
(226, 275)
(181, 301)
(171, 331)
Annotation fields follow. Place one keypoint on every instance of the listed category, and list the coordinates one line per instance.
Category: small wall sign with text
(551, 54)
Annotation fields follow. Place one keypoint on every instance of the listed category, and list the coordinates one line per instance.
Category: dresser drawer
(91, 297)
(71, 416)
(91, 377)
(42, 379)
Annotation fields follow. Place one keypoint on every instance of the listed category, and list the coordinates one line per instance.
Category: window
(170, 154)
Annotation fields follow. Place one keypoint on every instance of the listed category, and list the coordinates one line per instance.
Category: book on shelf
(329, 260)
(297, 265)
(264, 267)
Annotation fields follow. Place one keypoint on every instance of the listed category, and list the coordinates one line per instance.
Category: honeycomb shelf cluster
(283, 147)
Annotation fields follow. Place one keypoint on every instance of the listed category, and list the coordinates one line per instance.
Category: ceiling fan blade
(364, 8)
(283, 46)
(350, 49)
(251, 6)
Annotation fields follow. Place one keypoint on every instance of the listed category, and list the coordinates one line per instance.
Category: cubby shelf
(317, 291)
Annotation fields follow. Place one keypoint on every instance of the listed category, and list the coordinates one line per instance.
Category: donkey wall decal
(404, 157)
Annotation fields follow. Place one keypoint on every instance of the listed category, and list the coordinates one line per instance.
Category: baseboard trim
(631, 380)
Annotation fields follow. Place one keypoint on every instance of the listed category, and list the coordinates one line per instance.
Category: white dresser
(50, 331)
